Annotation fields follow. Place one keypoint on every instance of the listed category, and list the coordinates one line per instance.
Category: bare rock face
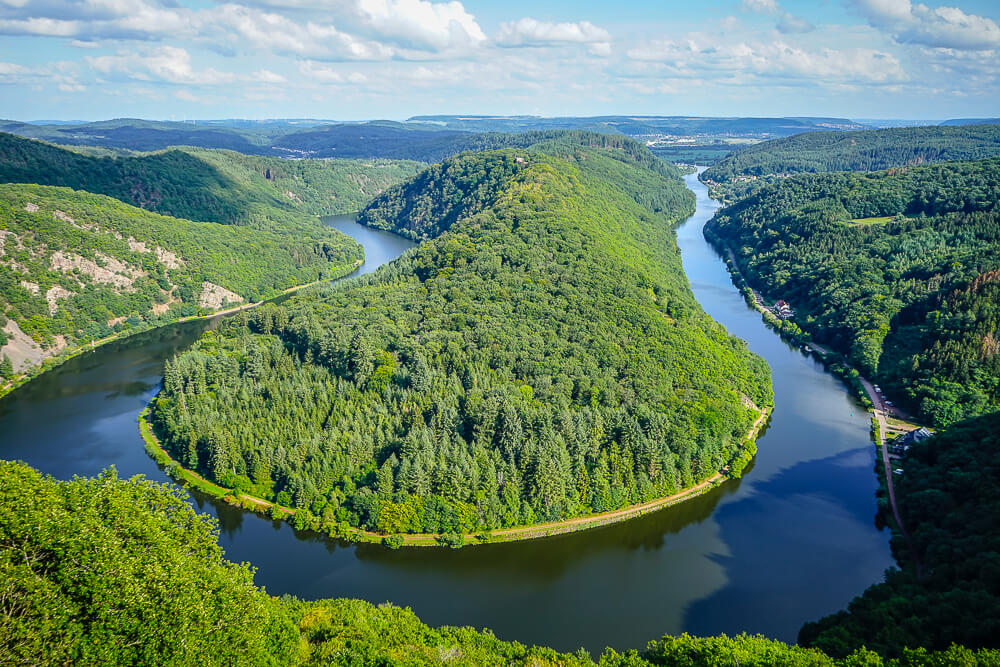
(23, 352)
(65, 217)
(215, 296)
(53, 295)
(115, 272)
(31, 208)
(167, 258)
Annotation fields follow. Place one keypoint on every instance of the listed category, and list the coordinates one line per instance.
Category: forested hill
(417, 210)
(897, 269)
(76, 267)
(949, 497)
(540, 359)
(866, 150)
(116, 572)
(207, 185)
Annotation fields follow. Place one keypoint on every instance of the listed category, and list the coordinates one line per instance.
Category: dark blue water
(791, 541)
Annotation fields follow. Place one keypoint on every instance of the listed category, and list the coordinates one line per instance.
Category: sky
(363, 59)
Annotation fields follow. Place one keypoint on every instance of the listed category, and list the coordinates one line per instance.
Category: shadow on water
(790, 541)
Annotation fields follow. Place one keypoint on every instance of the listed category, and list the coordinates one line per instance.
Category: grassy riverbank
(48, 363)
(275, 511)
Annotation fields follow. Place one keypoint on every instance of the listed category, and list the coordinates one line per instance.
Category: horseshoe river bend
(792, 540)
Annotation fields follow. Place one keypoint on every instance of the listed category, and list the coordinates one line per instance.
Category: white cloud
(278, 33)
(344, 29)
(764, 6)
(267, 76)
(790, 24)
(940, 27)
(169, 64)
(419, 24)
(529, 32)
(12, 73)
(698, 56)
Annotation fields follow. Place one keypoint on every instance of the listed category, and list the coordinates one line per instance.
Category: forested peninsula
(898, 270)
(540, 357)
(94, 246)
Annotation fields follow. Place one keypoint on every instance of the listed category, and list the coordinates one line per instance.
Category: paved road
(880, 416)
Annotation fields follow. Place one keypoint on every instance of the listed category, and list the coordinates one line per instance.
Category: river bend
(793, 540)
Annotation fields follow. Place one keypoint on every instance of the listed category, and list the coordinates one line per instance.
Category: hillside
(948, 498)
(895, 269)
(541, 357)
(867, 150)
(208, 186)
(112, 571)
(76, 267)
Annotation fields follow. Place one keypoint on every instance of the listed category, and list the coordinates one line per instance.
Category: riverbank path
(879, 408)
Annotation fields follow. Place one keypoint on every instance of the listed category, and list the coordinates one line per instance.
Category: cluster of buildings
(901, 444)
(782, 310)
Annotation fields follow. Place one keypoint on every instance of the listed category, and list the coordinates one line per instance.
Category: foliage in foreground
(897, 270)
(111, 571)
(542, 358)
(948, 498)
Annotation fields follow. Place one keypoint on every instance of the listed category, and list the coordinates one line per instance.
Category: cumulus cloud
(344, 29)
(317, 73)
(168, 64)
(698, 56)
(420, 24)
(60, 74)
(764, 6)
(529, 32)
(940, 27)
(790, 24)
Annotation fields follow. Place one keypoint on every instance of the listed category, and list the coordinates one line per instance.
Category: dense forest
(541, 358)
(865, 150)
(948, 498)
(895, 269)
(113, 571)
(82, 266)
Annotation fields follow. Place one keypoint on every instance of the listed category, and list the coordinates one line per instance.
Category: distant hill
(867, 150)
(644, 125)
(207, 185)
(972, 121)
(424, 138)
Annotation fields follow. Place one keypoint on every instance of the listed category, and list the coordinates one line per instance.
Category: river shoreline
(48, 363)
(192, 479)
(862, 388)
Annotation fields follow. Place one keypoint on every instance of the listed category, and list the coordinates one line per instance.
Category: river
(793, 540)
